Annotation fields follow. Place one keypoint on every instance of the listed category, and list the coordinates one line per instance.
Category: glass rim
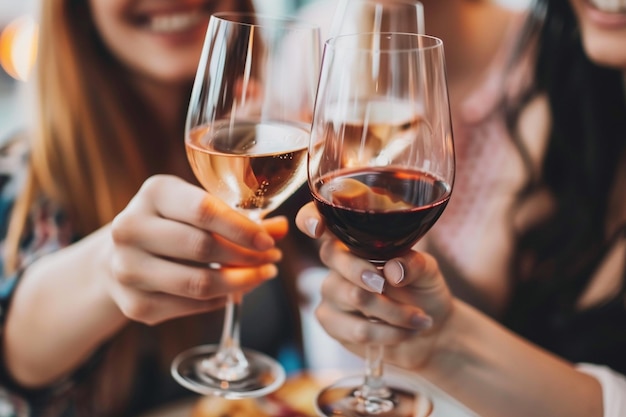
(236, 17)
(435, 42)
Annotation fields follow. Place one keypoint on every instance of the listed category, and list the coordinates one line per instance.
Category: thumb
(418, 269)
(309, 221)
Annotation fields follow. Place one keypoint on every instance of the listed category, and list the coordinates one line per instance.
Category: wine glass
(380, 169)
(246, 139)
(357, 16)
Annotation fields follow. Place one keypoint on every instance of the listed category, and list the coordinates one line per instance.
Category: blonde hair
(84, 152)
(87, 157)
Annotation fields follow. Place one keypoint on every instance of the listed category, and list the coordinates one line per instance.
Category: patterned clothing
(47, 231)
(473, 238)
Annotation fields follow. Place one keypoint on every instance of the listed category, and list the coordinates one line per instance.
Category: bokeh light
(18, 47)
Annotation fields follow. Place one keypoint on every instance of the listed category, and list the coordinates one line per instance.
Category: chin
(175, 77)
(606, 51)
(170, 68)
(608, 6)
(614, 62)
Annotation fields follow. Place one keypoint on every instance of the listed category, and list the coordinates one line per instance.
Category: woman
(559, 241)
(108, 233)
(478, 38)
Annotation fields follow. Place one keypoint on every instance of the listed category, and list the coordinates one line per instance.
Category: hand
(164, 241)
(409, 298)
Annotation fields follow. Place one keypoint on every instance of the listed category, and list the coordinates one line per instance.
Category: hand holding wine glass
(381, 170)
(246, 136)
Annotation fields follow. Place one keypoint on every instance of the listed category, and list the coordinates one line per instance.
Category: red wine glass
(381, 169)
(246, 139)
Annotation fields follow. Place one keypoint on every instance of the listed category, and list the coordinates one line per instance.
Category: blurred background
(17, 52)
(18, 31)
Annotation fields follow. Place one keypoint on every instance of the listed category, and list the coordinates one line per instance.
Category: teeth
(176, 22)
(611, 6)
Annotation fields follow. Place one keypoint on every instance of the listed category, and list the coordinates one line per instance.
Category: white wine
(249, 165)
(375, 132)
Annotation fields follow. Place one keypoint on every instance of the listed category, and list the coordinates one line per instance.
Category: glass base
(265, 375)
(345, 398)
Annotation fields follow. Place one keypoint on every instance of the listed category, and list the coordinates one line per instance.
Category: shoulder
(613, 388)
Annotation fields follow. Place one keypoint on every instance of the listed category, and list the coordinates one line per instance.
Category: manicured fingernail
(421, 322)
(373, 281)
(311, 225)
(394, 270)
(263, 241)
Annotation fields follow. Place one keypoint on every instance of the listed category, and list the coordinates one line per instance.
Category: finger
(151, 274)
(200, 209)
(309, 221)
(355, 329)
(154, 308)
(417, 269)
(277, 227)
(186, 242)
(347, 297)
(417, 280)
(360, 272)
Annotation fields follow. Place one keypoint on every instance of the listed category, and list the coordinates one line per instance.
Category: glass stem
(373, 383)
(230, 362)
(374, 389)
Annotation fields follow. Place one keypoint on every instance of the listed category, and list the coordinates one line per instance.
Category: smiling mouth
(174, 22)
(609, 6)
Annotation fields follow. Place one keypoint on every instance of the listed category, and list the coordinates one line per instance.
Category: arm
(427, 331)
(149, 265)
(495, 372)
(613, 388)
(60, 313)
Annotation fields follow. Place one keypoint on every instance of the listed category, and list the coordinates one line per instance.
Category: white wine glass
(358, 16)
(246, 139)
(381, 169)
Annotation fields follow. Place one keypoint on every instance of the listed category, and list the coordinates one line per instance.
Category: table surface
(295, 399)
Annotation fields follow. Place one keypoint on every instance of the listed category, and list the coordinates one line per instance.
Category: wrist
(101, 279)
(455, 346)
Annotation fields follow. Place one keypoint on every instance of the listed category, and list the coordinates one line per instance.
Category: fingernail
(422, 322)
(373, 281)
(311, 225)
(263, 241)
(395, 271)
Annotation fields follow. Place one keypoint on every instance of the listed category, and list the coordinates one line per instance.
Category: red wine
(380, 213)
(251, 166)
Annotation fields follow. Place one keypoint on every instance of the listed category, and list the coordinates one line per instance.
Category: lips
(609, 6)
(174, 22)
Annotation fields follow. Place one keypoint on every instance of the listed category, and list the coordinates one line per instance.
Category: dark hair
(556, 258)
